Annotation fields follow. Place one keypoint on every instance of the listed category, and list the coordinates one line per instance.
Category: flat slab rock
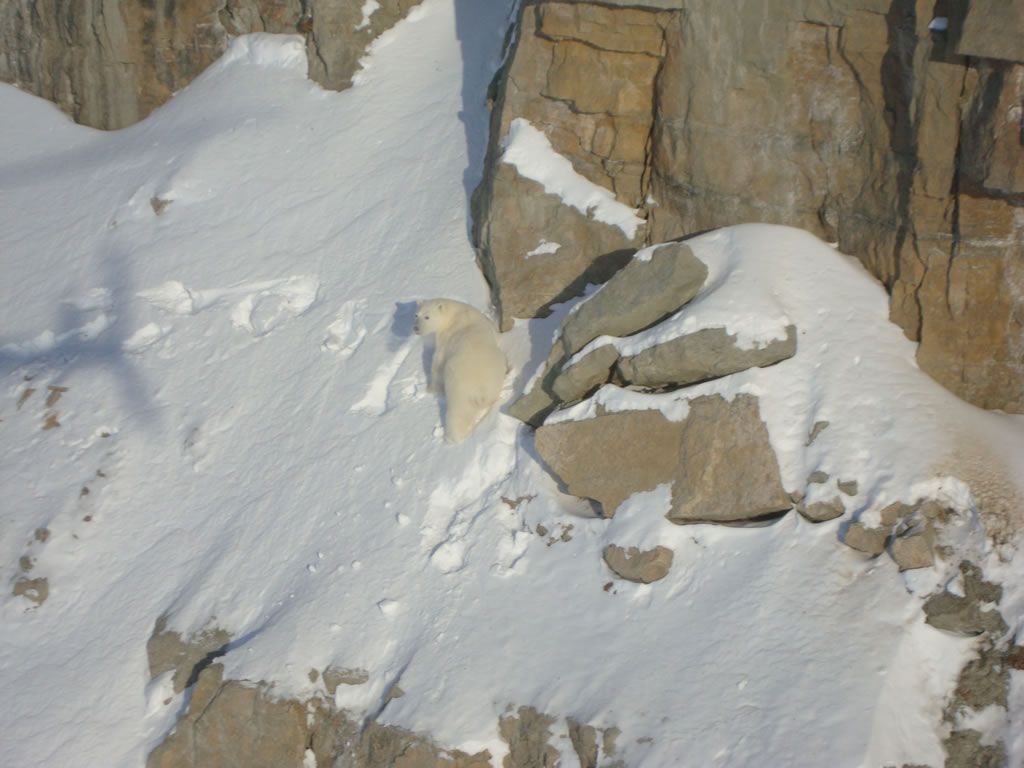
(727, 470)
(718, 460)
(611, 457)
(638, 296)
(641, 566)
(709, 353)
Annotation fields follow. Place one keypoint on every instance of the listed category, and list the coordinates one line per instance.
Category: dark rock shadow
(476, 31)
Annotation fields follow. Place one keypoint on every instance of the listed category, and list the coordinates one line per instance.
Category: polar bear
(468, 366)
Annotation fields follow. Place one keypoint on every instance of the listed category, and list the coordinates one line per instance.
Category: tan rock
(587, 456)
(520, 215)
(627, 30)
(240, 726)
(335, 676)
(601, 82)
(906, 154)
(637, 296)
(584, 743)
(727, 470)
(231, 724)
(110, 64)
(527, 733)
(870, 541)
(168, 650)
(642, 566)
(992, 29)
(914, 550)
(34, 590)
(849, 487)
(587, 374)
(584, 73)
(822, 511)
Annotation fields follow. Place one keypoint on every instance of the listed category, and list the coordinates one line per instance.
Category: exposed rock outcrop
(235, 724)
(109, 64)
(851, 119)
(585, 75)
(168, 651)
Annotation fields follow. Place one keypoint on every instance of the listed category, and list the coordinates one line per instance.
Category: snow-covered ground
(212, 400)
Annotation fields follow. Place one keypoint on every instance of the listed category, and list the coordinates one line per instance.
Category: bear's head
(432, 316)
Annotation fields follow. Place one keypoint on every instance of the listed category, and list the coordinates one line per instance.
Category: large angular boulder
(611, 457)
(651, 287)
(727, 470)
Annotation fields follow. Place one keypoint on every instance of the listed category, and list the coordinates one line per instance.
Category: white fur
(468, 367)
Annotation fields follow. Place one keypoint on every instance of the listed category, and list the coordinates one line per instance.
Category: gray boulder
(641, 294)
(706, 354)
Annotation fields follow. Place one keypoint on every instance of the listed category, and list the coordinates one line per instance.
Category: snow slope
(225, 293)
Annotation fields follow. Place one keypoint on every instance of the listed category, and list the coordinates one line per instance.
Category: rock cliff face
(859, 120)
(109, 63)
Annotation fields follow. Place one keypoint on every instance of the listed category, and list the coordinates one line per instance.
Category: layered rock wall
(859, 120)
(109, 63)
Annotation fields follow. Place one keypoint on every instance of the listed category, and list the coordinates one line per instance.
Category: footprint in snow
(261, 306)
(144, 338)
(375, 401)
(263, 311)
(345, 335)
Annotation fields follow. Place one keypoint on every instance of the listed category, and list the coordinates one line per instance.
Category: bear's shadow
(402, 325)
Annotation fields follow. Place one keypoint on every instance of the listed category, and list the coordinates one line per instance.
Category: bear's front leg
(436, 383)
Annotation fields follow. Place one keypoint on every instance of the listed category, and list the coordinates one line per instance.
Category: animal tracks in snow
(96, 301)
(145, 337)
(456, 504)
(375, 401)
(261, 312)
(345, 334)
(259, 307)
